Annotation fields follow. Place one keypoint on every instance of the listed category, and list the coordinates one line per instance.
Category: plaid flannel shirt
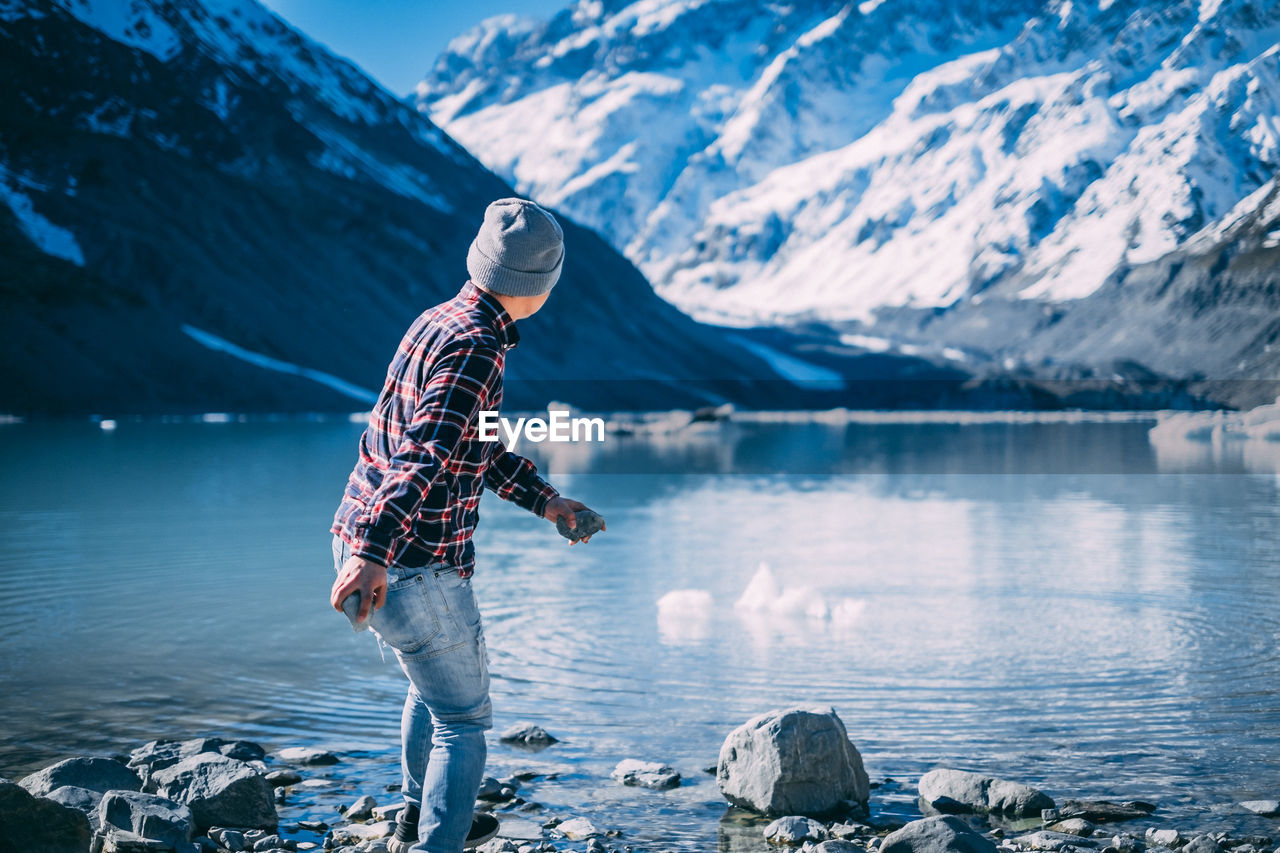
(413, 498)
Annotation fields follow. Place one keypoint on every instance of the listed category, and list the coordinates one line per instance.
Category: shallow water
(1056, 603)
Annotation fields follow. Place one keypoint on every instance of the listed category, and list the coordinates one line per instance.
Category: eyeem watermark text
(557, 426)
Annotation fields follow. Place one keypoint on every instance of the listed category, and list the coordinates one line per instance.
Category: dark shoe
(406, 830)
(483, 827)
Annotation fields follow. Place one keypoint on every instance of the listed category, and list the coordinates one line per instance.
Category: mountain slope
(853, 163)
(205, 211)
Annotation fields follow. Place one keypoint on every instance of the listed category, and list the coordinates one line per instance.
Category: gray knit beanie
(519, 250)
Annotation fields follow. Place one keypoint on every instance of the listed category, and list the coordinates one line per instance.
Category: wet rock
(159, 754)
(148, 816)
(1072, 826)
(77, 798)
(361, 809)
(30, 824)
(306, 756)
(1267, 808)
(962, 791)
(645, 774)
(219, 791)
(1048, 840)
(1163, 837)
(1098, 811)
(594, 846)
(271, 842)
(493, 791)
(938, 834)
(850, 830)
(578, 829)
(283, 777)
(794, 830)
(795, 761)
(95, 774)
(527, 734)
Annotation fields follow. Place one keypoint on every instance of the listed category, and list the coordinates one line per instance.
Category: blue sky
(396, 41)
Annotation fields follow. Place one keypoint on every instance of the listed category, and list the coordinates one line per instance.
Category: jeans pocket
(417, 620)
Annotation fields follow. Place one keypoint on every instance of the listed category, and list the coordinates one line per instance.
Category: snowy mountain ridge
(835, 161)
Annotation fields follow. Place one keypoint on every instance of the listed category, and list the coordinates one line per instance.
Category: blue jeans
(431, 622)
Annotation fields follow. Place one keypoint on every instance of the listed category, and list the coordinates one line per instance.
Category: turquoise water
(1057, 603)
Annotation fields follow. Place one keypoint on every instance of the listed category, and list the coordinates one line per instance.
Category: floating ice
(684, 614)
(764, 595)
(1190, 439)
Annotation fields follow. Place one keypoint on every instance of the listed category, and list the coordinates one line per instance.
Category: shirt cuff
(371, 544)
(542, 497)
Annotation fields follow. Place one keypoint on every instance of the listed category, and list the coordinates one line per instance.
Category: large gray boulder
(963, 791)
(159, 754)
(148, 816)
(77, 798)
(794, 761)
(937, 834)
(220, 791)
(95, 774)
(30, 824)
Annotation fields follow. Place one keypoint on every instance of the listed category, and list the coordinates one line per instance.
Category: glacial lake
(1062, 604)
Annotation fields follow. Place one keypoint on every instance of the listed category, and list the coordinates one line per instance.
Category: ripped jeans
(431, 621)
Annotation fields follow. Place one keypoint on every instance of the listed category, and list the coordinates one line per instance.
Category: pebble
(361, 809)
(1266, 808)
(1073, 826)
(1163, 837)
(527, 734)
(284, 776)
(306, 756)
(794, 829)
(588, 523)
(645, 774)
(578, 829)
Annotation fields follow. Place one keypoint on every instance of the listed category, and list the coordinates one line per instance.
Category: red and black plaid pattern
(414, 495)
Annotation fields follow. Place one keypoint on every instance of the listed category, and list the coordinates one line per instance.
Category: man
(402, 533)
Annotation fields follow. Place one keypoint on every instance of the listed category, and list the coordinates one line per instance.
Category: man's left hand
(558, 508)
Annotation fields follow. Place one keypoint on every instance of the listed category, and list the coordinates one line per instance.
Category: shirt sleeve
(459, 384)
(514, 478)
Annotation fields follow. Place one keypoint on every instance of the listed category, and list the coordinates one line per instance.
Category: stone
(269, 842)
(937, 834)
(30, 824)
(220, 791)
(794, 830)
(588, 522)
(578, 829)
(306, 756)
(1202, 844)
(498, 845)
(963, 791)
(1266, 808)
(361, 809)
(1100, 811)
(838, 845)
(1073, 826)
(594, 846)
(520, 829)
(355, 833)
(1163, 837)
(95, 774)
(159, 754)
(284, 776)
(793, 761)
(148, 816)
(645, 774)
(229, 838)
(77, 798)
(527, 734)
(1049, 840)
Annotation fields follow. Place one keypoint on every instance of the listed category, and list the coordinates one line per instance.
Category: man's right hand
(365, 576)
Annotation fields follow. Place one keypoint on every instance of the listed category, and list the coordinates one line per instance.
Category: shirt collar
(493, 310)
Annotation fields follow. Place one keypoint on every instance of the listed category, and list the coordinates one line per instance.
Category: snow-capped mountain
(877, 165)
(203, 210)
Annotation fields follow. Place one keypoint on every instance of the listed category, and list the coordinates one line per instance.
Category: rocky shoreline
(792, 779)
